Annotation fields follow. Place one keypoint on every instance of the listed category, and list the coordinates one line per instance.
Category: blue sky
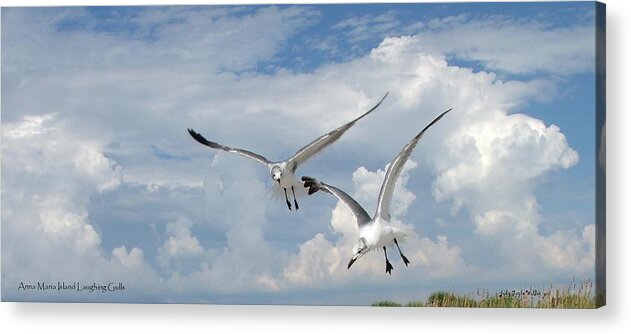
(100, 178)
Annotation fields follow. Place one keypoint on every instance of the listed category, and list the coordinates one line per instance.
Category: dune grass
(448, 299)
(571, 296)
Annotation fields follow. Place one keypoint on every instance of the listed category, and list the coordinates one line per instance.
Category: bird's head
(276, 173)
(359, 249)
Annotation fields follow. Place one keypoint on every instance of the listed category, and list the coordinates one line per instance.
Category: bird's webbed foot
(389, 267)
(388, 264)
(405, 259)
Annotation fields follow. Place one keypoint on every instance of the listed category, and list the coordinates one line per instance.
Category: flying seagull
(283, 171)
(375, 232)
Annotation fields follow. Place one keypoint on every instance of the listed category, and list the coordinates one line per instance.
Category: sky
(102, 183)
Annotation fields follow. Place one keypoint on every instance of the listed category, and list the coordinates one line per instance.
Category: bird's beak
(278, 181)
(353, 259)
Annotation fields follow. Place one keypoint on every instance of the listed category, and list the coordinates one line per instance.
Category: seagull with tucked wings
(375, 232)
(282, 172)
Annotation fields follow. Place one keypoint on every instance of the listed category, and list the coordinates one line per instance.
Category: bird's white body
(380, 233)
(287, 178)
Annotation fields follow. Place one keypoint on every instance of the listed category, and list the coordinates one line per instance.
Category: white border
(180, 319)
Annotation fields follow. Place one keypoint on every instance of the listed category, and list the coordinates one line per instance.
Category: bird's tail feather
(404, 233)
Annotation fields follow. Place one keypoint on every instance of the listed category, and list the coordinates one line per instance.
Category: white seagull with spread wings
(283, 171)
(375, 232)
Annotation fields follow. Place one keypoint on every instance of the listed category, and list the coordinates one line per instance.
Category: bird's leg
(286, 199)
(388, 264)
(405, 259)
(295, 202)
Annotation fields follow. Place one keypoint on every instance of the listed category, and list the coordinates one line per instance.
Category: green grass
(448, 299)
(571, 296)
(567, 299)
(415, 304)
(504, 302)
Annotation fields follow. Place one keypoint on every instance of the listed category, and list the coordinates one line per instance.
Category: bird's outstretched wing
(325, 140)
(239, 151)
(394, 170)
(314, 185)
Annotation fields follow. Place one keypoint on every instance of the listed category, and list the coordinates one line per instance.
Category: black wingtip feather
(197, 136)
(200, 139)
(311, 183)
(432, 123)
